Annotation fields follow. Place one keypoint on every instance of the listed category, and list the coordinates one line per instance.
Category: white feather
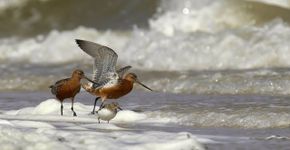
(106, 114)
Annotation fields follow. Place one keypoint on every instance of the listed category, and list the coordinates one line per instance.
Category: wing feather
(105, 59)
(121, 72)
(54, 88)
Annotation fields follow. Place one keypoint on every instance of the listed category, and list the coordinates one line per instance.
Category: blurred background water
(186, 46)
(228, 60)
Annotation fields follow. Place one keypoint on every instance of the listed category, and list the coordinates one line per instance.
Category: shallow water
(211, 130)
(227, 62)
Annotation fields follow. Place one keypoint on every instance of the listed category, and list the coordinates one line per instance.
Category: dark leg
(101, 106)
(61, 108)
(97, 98)
(99, 119)
(108, 121)
(72, 107)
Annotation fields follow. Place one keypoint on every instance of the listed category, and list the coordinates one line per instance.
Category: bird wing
(105, 60)
(104, 81)
(123, 70)
(58, 84)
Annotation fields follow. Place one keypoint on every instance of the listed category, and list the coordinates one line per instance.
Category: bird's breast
(106, 114)
(89, 88)
(68, 89)
(117, 90)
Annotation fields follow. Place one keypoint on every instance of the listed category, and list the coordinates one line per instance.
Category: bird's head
(113, 106)
(133, 78)
(79, 74)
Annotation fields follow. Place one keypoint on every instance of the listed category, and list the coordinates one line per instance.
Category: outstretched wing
(105, 59)
(110, 77)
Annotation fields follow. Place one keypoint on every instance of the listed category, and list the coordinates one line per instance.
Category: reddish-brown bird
(68, 88)
(110, 83)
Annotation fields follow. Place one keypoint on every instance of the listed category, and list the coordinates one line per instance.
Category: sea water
(219, 70)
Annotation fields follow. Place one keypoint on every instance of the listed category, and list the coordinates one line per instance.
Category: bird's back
(65, 88)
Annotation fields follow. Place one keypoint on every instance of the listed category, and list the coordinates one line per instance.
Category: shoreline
(214, 138)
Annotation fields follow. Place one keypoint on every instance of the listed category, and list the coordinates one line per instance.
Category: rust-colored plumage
(68, 88)
(110, 83)
(123, 87)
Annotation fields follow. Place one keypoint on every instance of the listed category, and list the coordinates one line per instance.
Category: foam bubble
(238, 118)
(59, 47)
(32, 124)
(5, 122)
(280, 3)
(206, 36)
(51, 107)
(129, 116)
(4, 4)
(12, 138)
(63, 132)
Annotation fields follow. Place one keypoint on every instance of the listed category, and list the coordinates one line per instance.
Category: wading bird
(110, 83)
(68, 88)
(108, 111)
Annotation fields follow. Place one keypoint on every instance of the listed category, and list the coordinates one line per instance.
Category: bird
(108, 111)
(111, 83)
(68, 88)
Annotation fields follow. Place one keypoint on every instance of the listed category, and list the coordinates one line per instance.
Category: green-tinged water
(271, 82)
(40, 17)
(219, 69)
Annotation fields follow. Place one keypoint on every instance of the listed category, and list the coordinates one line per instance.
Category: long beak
(143, 85)
(89, 80)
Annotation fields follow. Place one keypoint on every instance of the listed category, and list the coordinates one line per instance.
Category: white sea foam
(11, 3)
(60, 47)
(240, 118)
(4, 4)
(247, 48)
(181, 52)
(51, 107)
(190, 16)
(5, 122)
(41, 127)
(31, 124)
(14, 3)
(280, 3)
(224, 50)
(49, 111)
(192, 35)
(46, 139)
(12, 138)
